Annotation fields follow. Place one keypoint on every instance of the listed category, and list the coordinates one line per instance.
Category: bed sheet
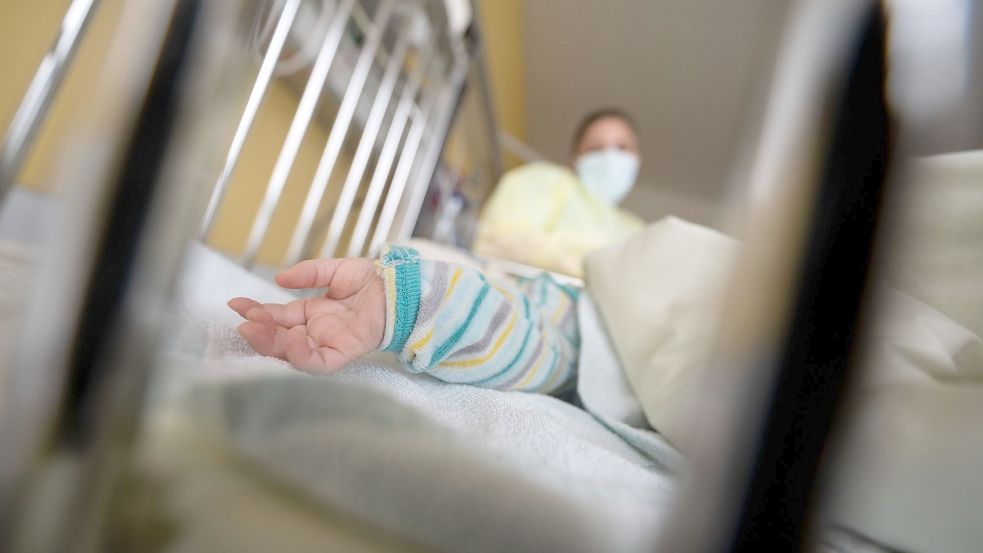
(454, 468)
(373, 455)
(15, 260)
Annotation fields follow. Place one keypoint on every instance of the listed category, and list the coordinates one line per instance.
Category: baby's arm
(448, 321)
(457, 325)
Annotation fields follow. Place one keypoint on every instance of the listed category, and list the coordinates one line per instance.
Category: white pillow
(908, 468)
(912, 451)
(938, 256)
(661, 294)
(601, 382)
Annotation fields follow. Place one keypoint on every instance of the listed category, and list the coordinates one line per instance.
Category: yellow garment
(540, 214)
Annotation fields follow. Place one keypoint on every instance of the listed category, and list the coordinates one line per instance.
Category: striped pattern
(456, 325)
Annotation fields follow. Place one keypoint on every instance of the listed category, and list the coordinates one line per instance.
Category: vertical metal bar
(256, 96)
(485, 99)
(813, 370)
(27, 120)
(783, 350)
(424, 172)
(154, 134)
(298, 127)
(365, 146)
(339, 131)
(407, 160)
(388, 154)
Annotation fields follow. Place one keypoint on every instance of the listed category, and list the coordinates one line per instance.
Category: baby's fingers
(260, 336)
(312, 273)
(268, 337)
(261, 315)
(263, 335)
(242, 305)
(287, 315)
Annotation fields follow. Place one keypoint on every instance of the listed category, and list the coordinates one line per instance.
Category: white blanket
(454, 468)
(451, 468)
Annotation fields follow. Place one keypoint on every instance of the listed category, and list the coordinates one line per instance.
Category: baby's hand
(325, 333)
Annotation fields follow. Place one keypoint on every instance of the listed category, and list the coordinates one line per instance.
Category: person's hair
(596, 116)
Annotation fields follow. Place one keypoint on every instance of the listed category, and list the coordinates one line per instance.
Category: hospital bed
(133, 416)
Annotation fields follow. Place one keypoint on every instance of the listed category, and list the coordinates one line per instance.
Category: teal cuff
(405, 263)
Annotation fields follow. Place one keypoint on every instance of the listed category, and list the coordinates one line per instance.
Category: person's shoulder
(542, 175)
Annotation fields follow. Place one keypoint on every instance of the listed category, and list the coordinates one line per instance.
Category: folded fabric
(912, 449)
(937, 254)
(602, 385)
(660, 294)
(451, 467)
(908, 469)
(907, 473)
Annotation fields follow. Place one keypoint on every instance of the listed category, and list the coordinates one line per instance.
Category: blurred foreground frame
(67, 474)
(757, 488)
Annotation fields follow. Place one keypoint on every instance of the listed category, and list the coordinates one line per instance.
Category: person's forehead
(609, 125)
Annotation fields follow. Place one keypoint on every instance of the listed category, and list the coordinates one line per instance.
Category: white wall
(689, 71)
(652, 202)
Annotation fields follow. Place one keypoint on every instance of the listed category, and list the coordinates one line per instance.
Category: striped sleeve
(459, 326)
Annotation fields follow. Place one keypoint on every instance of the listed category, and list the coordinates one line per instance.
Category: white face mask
(608, 174)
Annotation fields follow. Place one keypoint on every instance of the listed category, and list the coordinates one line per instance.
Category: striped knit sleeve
(459, 326)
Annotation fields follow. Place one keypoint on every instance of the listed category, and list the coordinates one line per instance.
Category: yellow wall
(27, 28)
(253, 170)
(502, 28)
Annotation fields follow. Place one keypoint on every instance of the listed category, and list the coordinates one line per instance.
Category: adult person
(550, 215)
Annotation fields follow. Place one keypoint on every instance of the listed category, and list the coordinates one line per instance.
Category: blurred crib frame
(389, 75)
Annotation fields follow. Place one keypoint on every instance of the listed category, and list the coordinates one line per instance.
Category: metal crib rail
(388, 153)
(428, 76)
(40, 93)
(448, 105)
(407, 161)
(260, 86)
(156, 165)
(339, 130)
(302, 119)
(366, 144)
(140, 186)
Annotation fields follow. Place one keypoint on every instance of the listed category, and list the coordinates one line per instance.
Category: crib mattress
(250, 455)
(448, 467)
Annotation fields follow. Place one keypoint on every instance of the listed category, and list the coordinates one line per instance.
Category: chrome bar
(435, 146)
(339, 130)
(365, 146)
(361, 18)
(256, 96)
(483, 90)
(407, 160)
(790, 197)
(388, 155)
(295, 135)
(37, 100)
(518, 148)
(140, 148)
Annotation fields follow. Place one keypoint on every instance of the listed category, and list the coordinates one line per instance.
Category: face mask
(608, 174)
